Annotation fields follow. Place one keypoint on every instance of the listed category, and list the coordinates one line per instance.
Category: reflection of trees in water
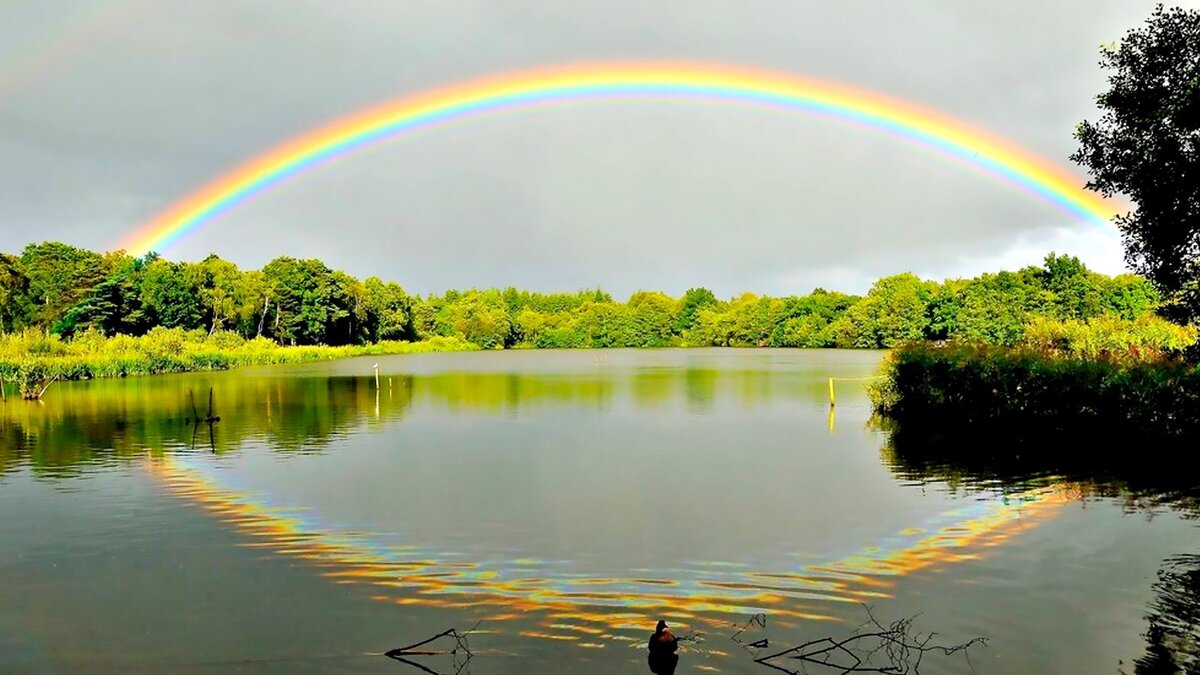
(104, 422)
(108, 421)
(1173, 636)
(1141, 479)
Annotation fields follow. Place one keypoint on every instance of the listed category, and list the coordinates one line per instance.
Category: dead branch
(32, 393)
(894, 649)
(211, 417)
(461, 650)
(759, 620)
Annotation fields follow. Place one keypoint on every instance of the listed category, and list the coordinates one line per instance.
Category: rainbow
(75, 30)
(587, 609)
(926, 128)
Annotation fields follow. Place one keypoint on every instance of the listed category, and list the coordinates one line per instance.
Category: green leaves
(304, 302)
(1069, 386)
(1145, 145)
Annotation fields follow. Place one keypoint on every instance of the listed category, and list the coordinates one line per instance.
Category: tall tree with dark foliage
(1146, 145)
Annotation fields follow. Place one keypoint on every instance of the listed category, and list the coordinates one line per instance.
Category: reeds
(32, 359)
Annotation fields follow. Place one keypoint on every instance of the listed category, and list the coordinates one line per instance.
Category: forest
(60, 290)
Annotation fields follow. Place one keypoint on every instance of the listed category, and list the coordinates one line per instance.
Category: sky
(112, 111)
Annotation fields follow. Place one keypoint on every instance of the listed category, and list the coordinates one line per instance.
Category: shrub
(1039, 389)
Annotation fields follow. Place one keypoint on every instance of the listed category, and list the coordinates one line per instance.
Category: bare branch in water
(894, 649)
(461, 650)
(757, 621)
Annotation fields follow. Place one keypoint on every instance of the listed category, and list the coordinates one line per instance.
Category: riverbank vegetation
(65, 291)
(31, 360)
(1102, 376)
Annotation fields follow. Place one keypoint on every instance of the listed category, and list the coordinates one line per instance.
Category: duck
(663, 641)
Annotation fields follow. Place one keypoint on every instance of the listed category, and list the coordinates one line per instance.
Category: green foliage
(1144, 337)
(305, 303)
(1039, 390)
(59, 277)
(480, 317)
(895, 310)
(170, 298)
(33, 356)
(1145, 146)
(16, 303)
(115, 305)
(690, 305)
(652, 318)
(994, 308)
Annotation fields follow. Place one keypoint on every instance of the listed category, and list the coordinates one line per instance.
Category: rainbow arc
(992, 155)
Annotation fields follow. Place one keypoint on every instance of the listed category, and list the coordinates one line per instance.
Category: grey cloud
(159, 96)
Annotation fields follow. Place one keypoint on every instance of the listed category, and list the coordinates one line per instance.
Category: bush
(1040, 389)
(1145, 337)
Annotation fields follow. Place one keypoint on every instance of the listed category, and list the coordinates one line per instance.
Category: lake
(560, 503)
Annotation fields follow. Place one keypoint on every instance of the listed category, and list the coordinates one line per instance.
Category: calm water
(565, 501)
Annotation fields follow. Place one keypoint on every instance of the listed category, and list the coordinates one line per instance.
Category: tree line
(58, 288)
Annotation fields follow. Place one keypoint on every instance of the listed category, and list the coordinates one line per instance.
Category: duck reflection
(662, 664)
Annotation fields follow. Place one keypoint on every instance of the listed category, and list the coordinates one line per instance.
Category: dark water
(565, 501)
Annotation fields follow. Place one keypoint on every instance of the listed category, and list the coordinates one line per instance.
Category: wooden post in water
(376, 377)
(832, 398)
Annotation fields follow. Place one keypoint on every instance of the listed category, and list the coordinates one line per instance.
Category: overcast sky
(110, 111)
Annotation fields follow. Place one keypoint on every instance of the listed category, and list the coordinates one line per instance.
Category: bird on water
(663, 641)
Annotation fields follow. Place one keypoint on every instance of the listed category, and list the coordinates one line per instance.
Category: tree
(303, 295)
(170, 298)
(1078, 292)
(651, 316)
(693, 301)
(16, 306)
(387, 311)
(116, 304)
(480, 317)
(894, 311)
(59, 277)
(995, 308)
(1146, 145)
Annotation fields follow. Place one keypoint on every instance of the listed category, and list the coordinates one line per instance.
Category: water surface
(564, 501)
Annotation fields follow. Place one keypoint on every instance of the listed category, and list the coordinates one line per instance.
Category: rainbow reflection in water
(593, 612)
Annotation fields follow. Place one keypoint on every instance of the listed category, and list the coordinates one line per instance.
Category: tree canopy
(1146, 145)
(69, 291)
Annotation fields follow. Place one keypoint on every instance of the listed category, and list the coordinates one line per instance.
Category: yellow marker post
(833, 397)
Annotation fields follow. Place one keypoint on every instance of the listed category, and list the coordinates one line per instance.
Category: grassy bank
(31, 360)
(1136, 392)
